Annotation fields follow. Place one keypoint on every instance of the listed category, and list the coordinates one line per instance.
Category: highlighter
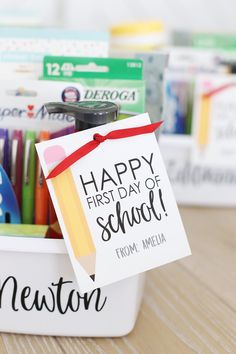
(87, 114)
(28, 178)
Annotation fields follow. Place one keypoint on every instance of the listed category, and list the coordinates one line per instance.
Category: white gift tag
(115, 205)
(214, 125)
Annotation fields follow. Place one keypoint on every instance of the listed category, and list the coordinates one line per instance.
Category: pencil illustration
(204, 121)
(72, 211)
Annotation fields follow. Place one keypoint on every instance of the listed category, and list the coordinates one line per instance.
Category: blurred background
(183, 14)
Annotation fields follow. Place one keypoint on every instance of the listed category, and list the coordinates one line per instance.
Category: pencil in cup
(204, 121)
(72, 210)
(16, 163)
(41, 190)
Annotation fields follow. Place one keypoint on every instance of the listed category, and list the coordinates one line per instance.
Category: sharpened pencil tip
(92, 277)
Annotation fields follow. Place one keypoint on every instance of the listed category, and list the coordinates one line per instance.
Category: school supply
(9, 210)
(61, 132)
(201, 164)
(22, 163)
(28, 179)
(16, 163)
(23, 103)
(4, 150)
(41, 190)
(22, 49)
(22, 230)
(100, 79)
(214, 121)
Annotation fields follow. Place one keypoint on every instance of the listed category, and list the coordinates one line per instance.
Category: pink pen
(16, 163)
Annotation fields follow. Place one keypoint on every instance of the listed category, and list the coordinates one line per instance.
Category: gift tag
(214, 126)
(115, 205)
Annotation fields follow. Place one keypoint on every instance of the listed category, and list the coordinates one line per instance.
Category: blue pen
(4, 150)
(176, 106)
(9, 209)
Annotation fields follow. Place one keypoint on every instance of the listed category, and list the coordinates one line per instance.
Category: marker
(4, 150)
(189, 113)
(16, 163)
(28, 179)
(72, 211)
(176, 106)
(9, 209)
(41, 190)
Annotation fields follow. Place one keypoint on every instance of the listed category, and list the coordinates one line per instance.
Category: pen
(41, 190)
(62, 132)
(4, 149)
(16, 163)
(28, 179)
(9, 209)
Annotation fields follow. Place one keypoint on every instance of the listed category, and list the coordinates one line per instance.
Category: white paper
(122, 250)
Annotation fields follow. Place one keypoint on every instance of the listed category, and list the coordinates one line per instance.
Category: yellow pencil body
(74, 220)
(204, 121)
(73, 213)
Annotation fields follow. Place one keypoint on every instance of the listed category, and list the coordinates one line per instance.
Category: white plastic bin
(39, 294)
(196, 184)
